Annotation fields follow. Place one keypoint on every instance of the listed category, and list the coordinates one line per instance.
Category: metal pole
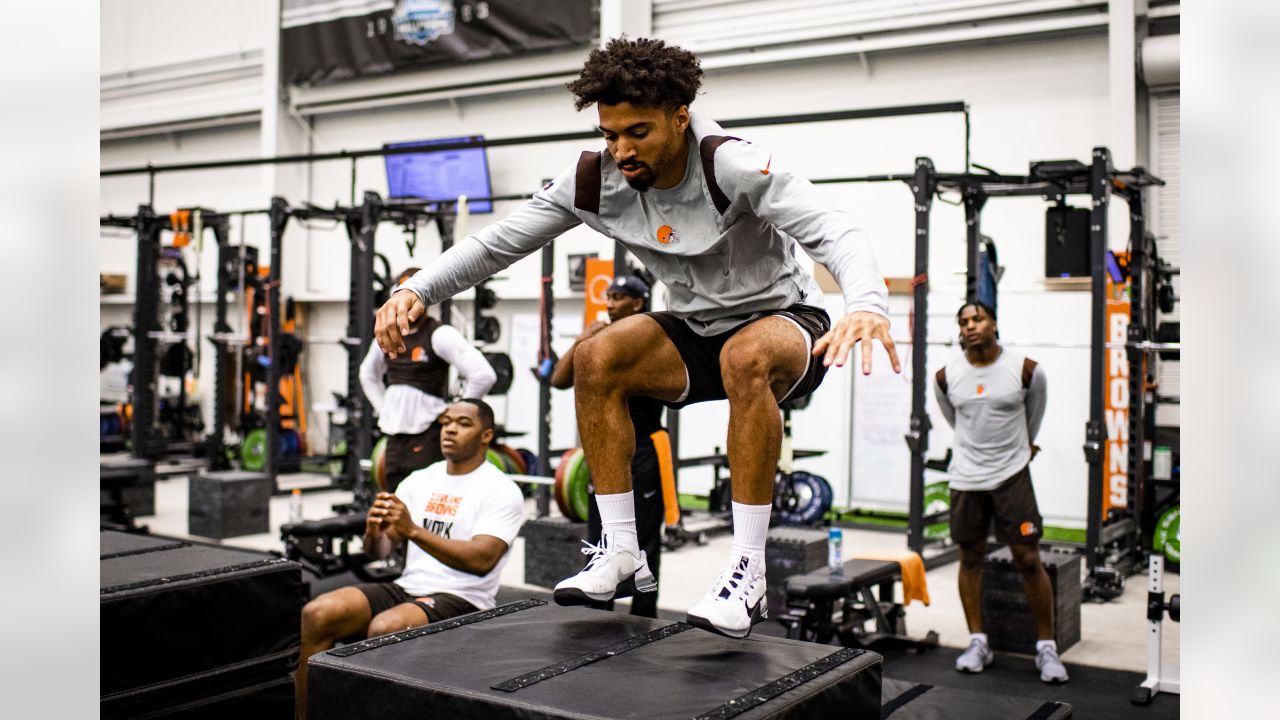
(279, 216)
(1095, 430)
(896, 111)
(544, 385)
(146, 321)
(363, 229)
(223, 396)
(1141, 493)
(918, 436)
(446, 222)
(974, 198)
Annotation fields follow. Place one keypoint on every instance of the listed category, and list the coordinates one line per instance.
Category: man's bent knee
(321, 616)
(745, 370)
(599, 361)
(400, 617)
(972, 557)
(1026, 557)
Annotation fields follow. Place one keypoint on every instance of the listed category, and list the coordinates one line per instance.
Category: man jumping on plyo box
(717, 221)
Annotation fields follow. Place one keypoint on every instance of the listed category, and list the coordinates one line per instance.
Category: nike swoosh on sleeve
(765, 171)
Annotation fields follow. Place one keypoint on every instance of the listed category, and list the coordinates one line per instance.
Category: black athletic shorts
(406, 453)
(438, 606)
(1012, 506)
(701, 355)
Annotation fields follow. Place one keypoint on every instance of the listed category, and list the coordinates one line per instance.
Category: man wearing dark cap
(628, 295)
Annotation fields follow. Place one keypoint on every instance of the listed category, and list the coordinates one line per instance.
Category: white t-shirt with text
(459, 507)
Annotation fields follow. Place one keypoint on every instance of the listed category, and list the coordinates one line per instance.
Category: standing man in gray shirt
(995, 398)
(718, 222)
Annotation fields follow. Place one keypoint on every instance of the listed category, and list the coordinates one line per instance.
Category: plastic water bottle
(835, 551)
(295, 506)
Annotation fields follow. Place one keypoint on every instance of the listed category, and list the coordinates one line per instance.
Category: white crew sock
(1042, 644)
(750, 529)
(982, 637)
(618, 521)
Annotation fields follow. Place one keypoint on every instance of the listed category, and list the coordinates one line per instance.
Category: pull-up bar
(861, 114)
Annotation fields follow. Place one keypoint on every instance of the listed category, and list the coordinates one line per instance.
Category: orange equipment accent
(180, 221)
(667, 472)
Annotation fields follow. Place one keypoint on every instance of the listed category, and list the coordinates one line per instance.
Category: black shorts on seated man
(459, 517)
(717, 220)
(995, 400)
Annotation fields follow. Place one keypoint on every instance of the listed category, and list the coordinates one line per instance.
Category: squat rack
(1052, 181)
(147, 333)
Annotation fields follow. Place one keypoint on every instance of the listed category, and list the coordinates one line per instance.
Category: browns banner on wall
(327, 40)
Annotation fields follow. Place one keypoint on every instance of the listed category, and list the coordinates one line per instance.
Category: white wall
(131, 30)
(1030, 100)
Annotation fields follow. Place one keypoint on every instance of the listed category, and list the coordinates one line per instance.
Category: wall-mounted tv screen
(440, 175)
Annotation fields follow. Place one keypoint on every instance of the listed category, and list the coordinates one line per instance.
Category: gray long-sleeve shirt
(720, 270)
(995, 419)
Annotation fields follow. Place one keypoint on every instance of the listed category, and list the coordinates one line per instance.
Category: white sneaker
(735, 602)
(609, 575)
(975, 658)
(1050, 666)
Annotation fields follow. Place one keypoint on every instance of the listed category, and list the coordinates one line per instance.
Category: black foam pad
(177, 614)
(534, 660)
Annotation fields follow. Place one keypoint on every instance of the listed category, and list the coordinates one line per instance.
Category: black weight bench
(311, 543)
(822, 606)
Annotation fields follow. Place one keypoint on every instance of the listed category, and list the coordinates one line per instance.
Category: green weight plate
(378, 473)
(495, 459)
(561, 478)
(937, 497)
(516, 463)
(253, 451)
(578, 487)
(1168, 538)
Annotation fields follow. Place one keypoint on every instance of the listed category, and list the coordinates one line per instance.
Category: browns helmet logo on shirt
(667, 235)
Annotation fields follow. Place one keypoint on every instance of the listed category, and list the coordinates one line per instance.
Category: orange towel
(914, 584)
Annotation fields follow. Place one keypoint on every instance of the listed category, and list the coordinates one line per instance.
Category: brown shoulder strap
(1028, 369)
(707, 151)
(586, 191)
(942, 380)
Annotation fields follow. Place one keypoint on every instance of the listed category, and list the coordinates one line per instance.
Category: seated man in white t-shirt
(459, 516)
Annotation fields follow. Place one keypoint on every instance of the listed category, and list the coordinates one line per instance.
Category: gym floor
(1110, 658)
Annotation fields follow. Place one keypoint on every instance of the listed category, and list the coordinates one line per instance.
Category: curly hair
(644, 72)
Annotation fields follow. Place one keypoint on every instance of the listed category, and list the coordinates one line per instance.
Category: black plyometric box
(532, 660)
(1066, 244)
(1006, 617)
(229, 504)
(790, 551)
(184, 622)
(130, 483)
(552, 550)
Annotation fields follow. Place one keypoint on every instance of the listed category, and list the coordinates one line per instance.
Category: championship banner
(327, 40)
(1116, 406)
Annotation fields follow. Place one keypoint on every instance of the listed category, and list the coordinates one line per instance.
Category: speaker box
(1066, 244)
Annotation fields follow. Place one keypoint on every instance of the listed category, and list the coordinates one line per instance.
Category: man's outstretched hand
(397, 317)
(853, 328)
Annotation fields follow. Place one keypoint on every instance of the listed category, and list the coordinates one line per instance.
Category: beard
(644, 180)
